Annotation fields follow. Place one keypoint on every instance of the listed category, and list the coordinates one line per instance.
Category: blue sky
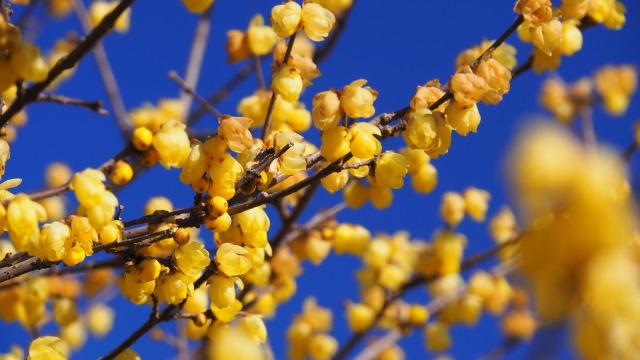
(396, 46)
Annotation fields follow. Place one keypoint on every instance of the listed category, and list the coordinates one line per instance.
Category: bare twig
(108, 78)
(31, 94)
(95, 106)
(222, 93)
(186, 89)
(4, 9)
(194, 64)
(257, 66)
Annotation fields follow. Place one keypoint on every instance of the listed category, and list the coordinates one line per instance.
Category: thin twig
(257, 66)
(106, 73)
(4, 9)
(194, 64)
(186, 89)
(31, 94)
(222, 93)
(95, 106)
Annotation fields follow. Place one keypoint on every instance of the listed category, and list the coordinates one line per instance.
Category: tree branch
(31, 94)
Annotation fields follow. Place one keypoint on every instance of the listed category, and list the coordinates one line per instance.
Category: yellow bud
(356, 194)
(437, 337)
(317, 21)
(335, 143)
(235, 132)
(230, 260)
(285, 19)
(364, 143)
(260, 38)
(418, 315)
(360, 317)
(452, 208)
(467, 87)
(253, 325)
(121, 173)
(357, 101)
(571, 38)
(322, 346)
(287, 83)
(157, 203)
(326, 110)
(391, 167)
(100, 319)
(476, 203)
(172, 144)
(381, 196)
(534, 12)
(149, 270)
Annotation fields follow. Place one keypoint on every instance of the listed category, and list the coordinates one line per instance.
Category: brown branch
(192, 94)
(95, 106)
(106, 73)
(254, 173)
(31, 94)
(76, 269)
(628, 151)
(194, 64)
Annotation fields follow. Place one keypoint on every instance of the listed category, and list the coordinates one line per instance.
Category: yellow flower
(54, 242)
(357, 101)
(543, 62)
(285, 19)
(356, 194)
(230, 260)
(334, 181)
(47, 348)
(437, 337)
(452, 208)
(547, 36)
(391, 168)
(26, 61)
(497, 77)
(534, 12)
(173, 288)
(555, 97)
(260, 38)
(235, 132)
(224, 172)
(467, 87)
(22, 220)
(317, 21)
(253, 325)
(191, 258)
(237, 46)
(326, 110)
(142, 138)
(429, 132)
(476, 203)
(427, 95)
(360, 317)
(463, 119)
(616, 85)
(172, 144)
(364, 143)
(287, 83)
(335, 143)
(88, 186)
(292, 160)
(571, 38)
(195, 166)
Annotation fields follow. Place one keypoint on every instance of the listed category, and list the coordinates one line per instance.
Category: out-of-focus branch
(196, 56)
(186, 89)
(31, 94)
(95, 106)
(108, 78)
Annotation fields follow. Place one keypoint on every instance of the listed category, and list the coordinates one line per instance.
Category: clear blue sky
(395, 46)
